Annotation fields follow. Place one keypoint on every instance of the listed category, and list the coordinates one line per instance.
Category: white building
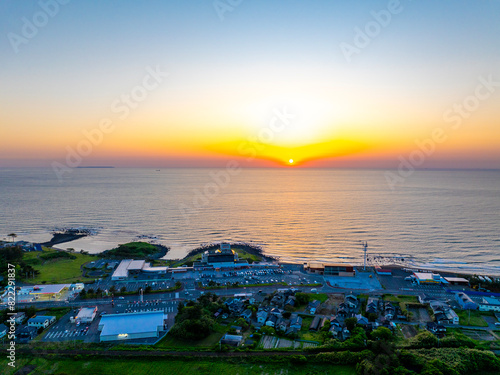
(41, 321)
(129, 267)
(86, 315)
(489, 304)
(115, 327)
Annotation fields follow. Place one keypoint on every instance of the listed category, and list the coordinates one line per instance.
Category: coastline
(85, 239)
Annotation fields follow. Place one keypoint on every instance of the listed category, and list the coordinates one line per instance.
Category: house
(351, 302)
(231, 340)
(372, 305)
(342, 314)
(313, 306)
(337, 321)
(315, 324)
(336, 332)
(19, 317)
(435, 328)
(291, 331)
(276, 312)
(236, 329)
(389, 311)
(290, 301)
(3, 330)
(465, 302)
(282, 324)
(363, 321)
(261, 316)
(296, 322)
(424, 299)
(26, 334)
(41, 321)
(247, 315)
(271, 321)
(452, 316)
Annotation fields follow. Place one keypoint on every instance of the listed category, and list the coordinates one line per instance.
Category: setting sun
(290, 161)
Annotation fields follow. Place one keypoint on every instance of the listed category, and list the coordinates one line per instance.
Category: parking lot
(252, 277)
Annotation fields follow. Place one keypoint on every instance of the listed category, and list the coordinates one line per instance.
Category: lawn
(406, 299)
(104, 366)
(321, 297)
(59, 270)
(475, 318)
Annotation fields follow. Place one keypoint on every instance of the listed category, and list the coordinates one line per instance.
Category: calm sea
(443, 219)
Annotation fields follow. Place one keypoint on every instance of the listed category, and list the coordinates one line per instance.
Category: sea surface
(442, 219)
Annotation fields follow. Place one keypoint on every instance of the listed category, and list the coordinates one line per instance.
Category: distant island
(97, 166)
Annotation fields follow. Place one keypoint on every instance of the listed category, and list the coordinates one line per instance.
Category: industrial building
(142, 325)
(43, 292)
(130, 267)
(86, 315)
(465, 301)
(427, 278)
(490, 304)
(331, 269)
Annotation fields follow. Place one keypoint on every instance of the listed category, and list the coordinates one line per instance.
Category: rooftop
(115, 324)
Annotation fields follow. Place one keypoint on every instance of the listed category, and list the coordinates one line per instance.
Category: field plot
(419, 314)
(479, 335)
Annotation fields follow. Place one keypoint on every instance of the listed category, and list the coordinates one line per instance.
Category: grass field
(171, 367)
(475, 318)
(406, 299)
(172, 342)
(57, 271)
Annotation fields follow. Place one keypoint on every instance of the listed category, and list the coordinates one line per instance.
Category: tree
(123, 289)
(148, 289)
(98, 291)
(90, 291)
(178, 285)
(301, 299)
(112, 289)
(12, 235)
(267, 330)
(83, 293)
(350, 323)
(382, 333)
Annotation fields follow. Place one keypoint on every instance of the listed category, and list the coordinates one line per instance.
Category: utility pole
(365, 249)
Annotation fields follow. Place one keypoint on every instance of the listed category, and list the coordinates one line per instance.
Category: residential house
(315, 323)
(3, 330)
(237, 329)
(231, 340)
(271, 321)
(282, 324)
(247, 315)
(372, 305)
(389, 311)
(313, 306)
(296, 322)
(261, 316)
(19, 317)
(276, 312)
(363, 321)
(290, 301)
(26, 334)
(351, 302)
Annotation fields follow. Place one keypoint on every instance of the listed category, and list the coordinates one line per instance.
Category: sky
(263, 83)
